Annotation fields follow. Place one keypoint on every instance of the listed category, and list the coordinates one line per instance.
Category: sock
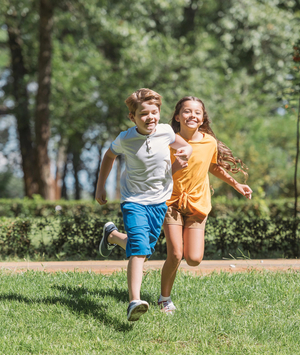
(162, 298)
(134, 301)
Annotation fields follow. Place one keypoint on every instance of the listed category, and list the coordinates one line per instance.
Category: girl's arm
(105, 169)
(222, 174)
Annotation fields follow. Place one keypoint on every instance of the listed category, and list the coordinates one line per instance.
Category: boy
(146, 185)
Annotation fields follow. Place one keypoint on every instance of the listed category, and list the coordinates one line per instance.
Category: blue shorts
(143, 225)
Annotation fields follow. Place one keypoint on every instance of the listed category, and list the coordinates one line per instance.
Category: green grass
(85, 313)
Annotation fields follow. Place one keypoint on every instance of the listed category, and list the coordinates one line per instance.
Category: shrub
(14, 238)
(78, 237)
(222, 207)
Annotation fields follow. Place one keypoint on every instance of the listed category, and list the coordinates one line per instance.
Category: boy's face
(146, 118)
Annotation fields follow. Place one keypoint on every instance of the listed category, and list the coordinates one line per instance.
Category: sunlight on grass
(85, 313)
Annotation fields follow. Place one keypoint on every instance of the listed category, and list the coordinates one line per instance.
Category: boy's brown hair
(140, 96)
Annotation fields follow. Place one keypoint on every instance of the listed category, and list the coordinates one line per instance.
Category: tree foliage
(235, 55)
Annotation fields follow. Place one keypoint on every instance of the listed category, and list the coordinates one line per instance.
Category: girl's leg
(118, 238)
(135, 276)
(193, 245)
(173, 235)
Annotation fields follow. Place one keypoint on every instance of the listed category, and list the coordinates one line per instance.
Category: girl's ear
(177, 118)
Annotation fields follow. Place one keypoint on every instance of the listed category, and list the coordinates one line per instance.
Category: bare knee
(175, 258)
(193, 261)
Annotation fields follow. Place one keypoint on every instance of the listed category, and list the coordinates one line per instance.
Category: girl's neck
(191, 135)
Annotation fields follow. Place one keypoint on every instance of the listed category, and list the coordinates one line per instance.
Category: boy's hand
(184, 153)
(101, 196)
(245, 190)
(178, 164)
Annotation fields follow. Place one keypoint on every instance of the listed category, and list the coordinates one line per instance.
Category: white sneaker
(167, 306)
(136, 309)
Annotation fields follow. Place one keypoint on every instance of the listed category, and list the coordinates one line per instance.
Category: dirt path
(110, 266)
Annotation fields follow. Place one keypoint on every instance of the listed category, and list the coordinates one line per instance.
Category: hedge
(78, 237)
(222, 207)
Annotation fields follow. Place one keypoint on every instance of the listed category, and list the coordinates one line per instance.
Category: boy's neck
(145, 134)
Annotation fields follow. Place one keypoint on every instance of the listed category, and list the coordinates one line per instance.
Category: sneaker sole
(103, 234)
(137, 312)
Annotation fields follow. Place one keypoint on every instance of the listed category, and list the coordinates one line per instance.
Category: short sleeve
(172, 135)
(214, 159)
(116, 145)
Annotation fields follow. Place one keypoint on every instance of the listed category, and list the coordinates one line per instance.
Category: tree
(229, 53)
(296, 59)
(34, 148)
(17, 87)
(42, 115)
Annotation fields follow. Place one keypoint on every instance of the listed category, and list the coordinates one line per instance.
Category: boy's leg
(136, 307)
(173, 235)
(110, 238)
(106, 246)
(118, 238)
(137, 246)
(135, 276)
(143, 225)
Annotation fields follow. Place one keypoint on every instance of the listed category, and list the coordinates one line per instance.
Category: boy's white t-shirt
(147, 178)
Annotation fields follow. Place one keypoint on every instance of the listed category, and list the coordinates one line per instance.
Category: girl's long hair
(225, 157)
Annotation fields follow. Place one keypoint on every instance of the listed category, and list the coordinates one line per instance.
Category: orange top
(191, 188)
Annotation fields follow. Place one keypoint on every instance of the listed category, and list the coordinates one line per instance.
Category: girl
(190, 202)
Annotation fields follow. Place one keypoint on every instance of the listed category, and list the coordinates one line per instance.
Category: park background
(66, 68)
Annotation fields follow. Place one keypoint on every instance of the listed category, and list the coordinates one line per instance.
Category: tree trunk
(61, 161)
(75, 148)
(296, 162)
(42, 123)
(21, 110)
(76, 167)
(64, 192)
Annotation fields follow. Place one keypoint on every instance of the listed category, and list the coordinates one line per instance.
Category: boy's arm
(222, 174)
(178, 165)
(183, 149)
(106, 166)
(183, 153)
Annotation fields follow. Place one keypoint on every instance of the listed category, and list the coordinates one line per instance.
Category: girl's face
(190, 115)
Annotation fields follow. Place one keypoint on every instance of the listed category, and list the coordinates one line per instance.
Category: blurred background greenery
(66, 68)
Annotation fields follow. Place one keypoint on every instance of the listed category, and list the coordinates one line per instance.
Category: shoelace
(167, 304)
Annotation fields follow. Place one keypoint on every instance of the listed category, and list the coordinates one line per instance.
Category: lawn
(85, 313)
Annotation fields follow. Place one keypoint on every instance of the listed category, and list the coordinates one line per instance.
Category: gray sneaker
(105, 248)
(136, 309)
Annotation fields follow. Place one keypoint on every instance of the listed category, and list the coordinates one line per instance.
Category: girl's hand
(245, 190)
(184, 153)
(101, 196)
